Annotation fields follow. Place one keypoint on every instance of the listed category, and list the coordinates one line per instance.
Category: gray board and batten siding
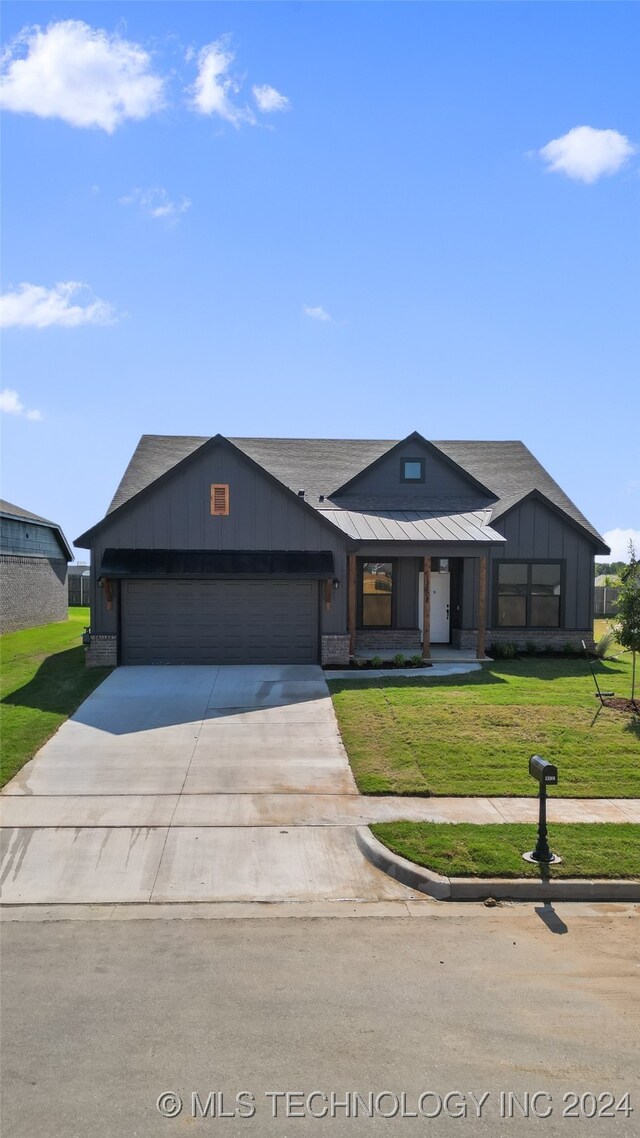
(175, 515)
(535, 532)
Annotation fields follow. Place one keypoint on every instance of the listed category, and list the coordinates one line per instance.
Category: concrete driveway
(191, 784)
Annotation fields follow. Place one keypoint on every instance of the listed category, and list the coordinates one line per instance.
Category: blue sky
(374, 218)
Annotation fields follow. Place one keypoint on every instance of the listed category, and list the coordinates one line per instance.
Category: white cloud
(33, 306)
(316, 313)
(268, 99)
(11, 404)
(80, 74)
(618, 541)
(587, 154)
(214, 88)
(157, 203)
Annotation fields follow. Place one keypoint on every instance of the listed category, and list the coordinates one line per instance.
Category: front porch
(410, 605)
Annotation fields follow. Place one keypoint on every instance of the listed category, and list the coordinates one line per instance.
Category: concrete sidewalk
(214, 784)
(293, 809)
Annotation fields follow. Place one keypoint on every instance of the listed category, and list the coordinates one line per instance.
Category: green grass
(606, 849)
(473, 734)
(43, 681)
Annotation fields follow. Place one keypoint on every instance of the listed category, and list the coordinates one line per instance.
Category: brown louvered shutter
(220, 498)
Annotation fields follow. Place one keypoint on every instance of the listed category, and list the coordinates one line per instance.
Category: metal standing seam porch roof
(415, 525)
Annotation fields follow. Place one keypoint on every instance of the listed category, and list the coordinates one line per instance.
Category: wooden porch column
(482, 607)
(426, 611)
(351, 602)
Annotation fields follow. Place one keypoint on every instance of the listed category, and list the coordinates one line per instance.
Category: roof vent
(321, 497)
(301, 493)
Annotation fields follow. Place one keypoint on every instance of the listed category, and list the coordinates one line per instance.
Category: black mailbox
(545, 775)
(544, 772)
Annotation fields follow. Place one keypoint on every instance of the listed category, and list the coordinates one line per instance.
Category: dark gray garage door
(220, 621)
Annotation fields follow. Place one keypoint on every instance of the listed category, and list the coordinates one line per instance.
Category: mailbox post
(546, 775)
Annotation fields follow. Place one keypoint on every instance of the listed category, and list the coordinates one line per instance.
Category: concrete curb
(501, 888)
(400, 869)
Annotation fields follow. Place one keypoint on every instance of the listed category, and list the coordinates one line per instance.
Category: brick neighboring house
(219, 550)
(34, 555)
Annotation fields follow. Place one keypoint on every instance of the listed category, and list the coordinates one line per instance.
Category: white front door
(440, 604)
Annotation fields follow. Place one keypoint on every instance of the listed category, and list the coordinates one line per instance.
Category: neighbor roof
(9, 510)
(319, 466)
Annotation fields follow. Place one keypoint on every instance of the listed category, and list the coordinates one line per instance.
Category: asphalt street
(100, 1018)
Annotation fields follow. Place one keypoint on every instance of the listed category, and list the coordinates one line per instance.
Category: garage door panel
(219, 621)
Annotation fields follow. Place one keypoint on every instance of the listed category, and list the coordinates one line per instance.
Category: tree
(628, 613)
(613, 568)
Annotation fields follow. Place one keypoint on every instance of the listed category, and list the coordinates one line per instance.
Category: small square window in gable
(412, 470)
(220, 499)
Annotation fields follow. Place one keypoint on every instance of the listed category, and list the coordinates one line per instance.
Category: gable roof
(506, 470)
(416, 437)
(17, 513)
(514, 472)
(507, 506)
(313, 465)
(196, 446)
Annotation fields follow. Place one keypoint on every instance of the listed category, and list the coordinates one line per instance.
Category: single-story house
(313, 550)
(34, 554)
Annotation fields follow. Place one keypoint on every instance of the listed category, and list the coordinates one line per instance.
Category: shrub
(399, 660)
(531, 647)
(376, 661)
(416, 661)
(604, 644)
(501, 651)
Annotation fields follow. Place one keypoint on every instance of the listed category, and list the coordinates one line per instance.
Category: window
(377, 594)
(412, 470)
(220, 499)
(529, 594)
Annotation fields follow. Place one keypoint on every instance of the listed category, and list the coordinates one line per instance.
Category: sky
(320, 219)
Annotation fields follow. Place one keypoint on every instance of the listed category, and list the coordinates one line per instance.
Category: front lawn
(604, 849)
(473, 734)
(43, 681)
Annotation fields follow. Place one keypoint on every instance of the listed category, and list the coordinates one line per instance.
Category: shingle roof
(314, 465)
(18, 512)
(318, 466)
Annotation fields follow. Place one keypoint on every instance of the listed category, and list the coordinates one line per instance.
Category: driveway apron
(203, 783)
